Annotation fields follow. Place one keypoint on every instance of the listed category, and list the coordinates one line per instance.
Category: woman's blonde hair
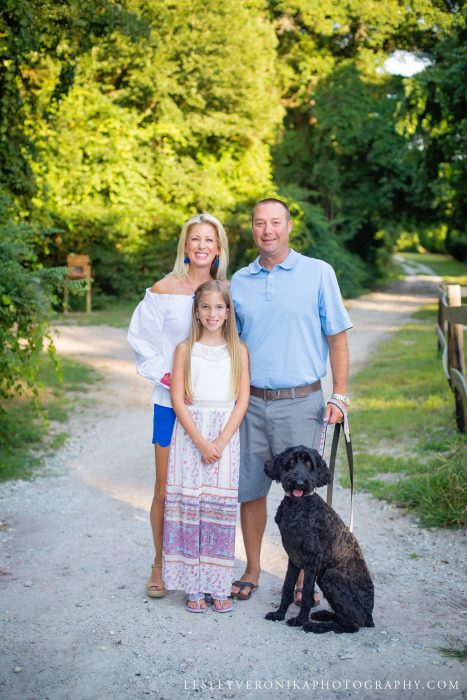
(229, 331)
(217, 271)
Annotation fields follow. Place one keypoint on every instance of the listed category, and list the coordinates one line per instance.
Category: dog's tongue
(297, 493)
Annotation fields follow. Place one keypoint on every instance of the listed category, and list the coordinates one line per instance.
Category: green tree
(341, 143)
(34, 32)
(37, 39)
(158, 124)
(433, 120)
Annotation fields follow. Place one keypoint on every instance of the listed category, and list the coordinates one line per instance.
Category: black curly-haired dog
(317, 540)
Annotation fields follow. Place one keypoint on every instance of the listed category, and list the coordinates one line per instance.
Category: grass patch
(407, 448)
(24, 433)
(395, 272)
(460, 654)
(427, 313)
(114, 312)
(453, 271)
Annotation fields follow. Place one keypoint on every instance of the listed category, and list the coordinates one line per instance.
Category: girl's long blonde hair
(217, 272)
(229, 331)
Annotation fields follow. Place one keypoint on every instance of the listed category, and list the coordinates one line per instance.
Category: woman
(159, 323)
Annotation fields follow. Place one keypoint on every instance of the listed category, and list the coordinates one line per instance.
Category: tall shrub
(27, 291)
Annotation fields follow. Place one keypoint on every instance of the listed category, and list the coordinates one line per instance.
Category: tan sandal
(153, 589)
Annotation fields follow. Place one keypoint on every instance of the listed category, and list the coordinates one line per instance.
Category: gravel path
(76, 549)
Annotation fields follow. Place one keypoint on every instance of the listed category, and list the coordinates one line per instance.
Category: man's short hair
(272, 200)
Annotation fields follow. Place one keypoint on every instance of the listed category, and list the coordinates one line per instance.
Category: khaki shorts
(269, 427)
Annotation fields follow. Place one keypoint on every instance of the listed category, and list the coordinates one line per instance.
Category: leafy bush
(456, 244)
(313, 235)
(431, 239)
(27, 291)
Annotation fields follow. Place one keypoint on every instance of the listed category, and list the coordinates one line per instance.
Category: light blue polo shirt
(284, 316)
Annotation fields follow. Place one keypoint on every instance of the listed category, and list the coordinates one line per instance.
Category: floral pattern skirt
(201, 508)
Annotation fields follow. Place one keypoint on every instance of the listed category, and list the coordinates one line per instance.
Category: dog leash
(332, 459)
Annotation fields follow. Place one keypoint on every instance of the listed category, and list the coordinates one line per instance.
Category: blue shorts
(164, 419)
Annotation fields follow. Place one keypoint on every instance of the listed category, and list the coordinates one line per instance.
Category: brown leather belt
(296, 392)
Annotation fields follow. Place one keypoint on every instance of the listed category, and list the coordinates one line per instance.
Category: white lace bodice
(210, 373)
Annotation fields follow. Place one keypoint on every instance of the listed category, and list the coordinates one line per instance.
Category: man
(290, 315)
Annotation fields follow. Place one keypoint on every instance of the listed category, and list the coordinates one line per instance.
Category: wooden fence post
(441, 318)
(456, 352)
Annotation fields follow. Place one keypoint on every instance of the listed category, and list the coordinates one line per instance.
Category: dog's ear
(321, 469)
(272, 469)
(283, 457)
(274, 466)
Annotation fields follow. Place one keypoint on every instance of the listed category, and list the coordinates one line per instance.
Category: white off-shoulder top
(159, 323)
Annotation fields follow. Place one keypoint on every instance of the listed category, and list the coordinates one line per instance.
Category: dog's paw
(315, 627)
(295, 621)
(275, 616)
(323, 616)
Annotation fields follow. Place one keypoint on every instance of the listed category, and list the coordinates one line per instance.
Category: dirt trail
(76, 549)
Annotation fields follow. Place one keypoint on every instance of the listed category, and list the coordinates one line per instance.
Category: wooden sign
(78, 266)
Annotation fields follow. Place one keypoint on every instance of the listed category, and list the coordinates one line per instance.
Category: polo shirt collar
(288, 264)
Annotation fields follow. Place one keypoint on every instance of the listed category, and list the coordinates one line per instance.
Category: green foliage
(456, 244)
(16, 40)
(156, 125)
(21, 432)
(432, 119)
(119, 120)
(341, 144)
(27, 291)
(314, 236)
(34, 34)
(455, 653)
(439, 494)
(432, 239)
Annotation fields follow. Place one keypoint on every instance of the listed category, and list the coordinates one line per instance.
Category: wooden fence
(452, 316)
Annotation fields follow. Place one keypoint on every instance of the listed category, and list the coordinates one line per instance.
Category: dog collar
(289, 495)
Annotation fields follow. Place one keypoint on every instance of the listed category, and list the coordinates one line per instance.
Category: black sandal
(242, 585)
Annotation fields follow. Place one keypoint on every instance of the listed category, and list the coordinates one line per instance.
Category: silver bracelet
(341, 397)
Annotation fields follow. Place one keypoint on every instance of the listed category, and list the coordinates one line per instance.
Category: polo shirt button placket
(269, 284)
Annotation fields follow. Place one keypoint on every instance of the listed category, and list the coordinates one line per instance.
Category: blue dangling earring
(216, 261)
(186, 259)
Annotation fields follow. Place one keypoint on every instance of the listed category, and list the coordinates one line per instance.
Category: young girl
(210, 369)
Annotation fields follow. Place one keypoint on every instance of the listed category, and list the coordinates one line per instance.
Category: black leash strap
(332, 462)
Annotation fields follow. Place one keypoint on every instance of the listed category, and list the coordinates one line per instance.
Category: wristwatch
(341, 397)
